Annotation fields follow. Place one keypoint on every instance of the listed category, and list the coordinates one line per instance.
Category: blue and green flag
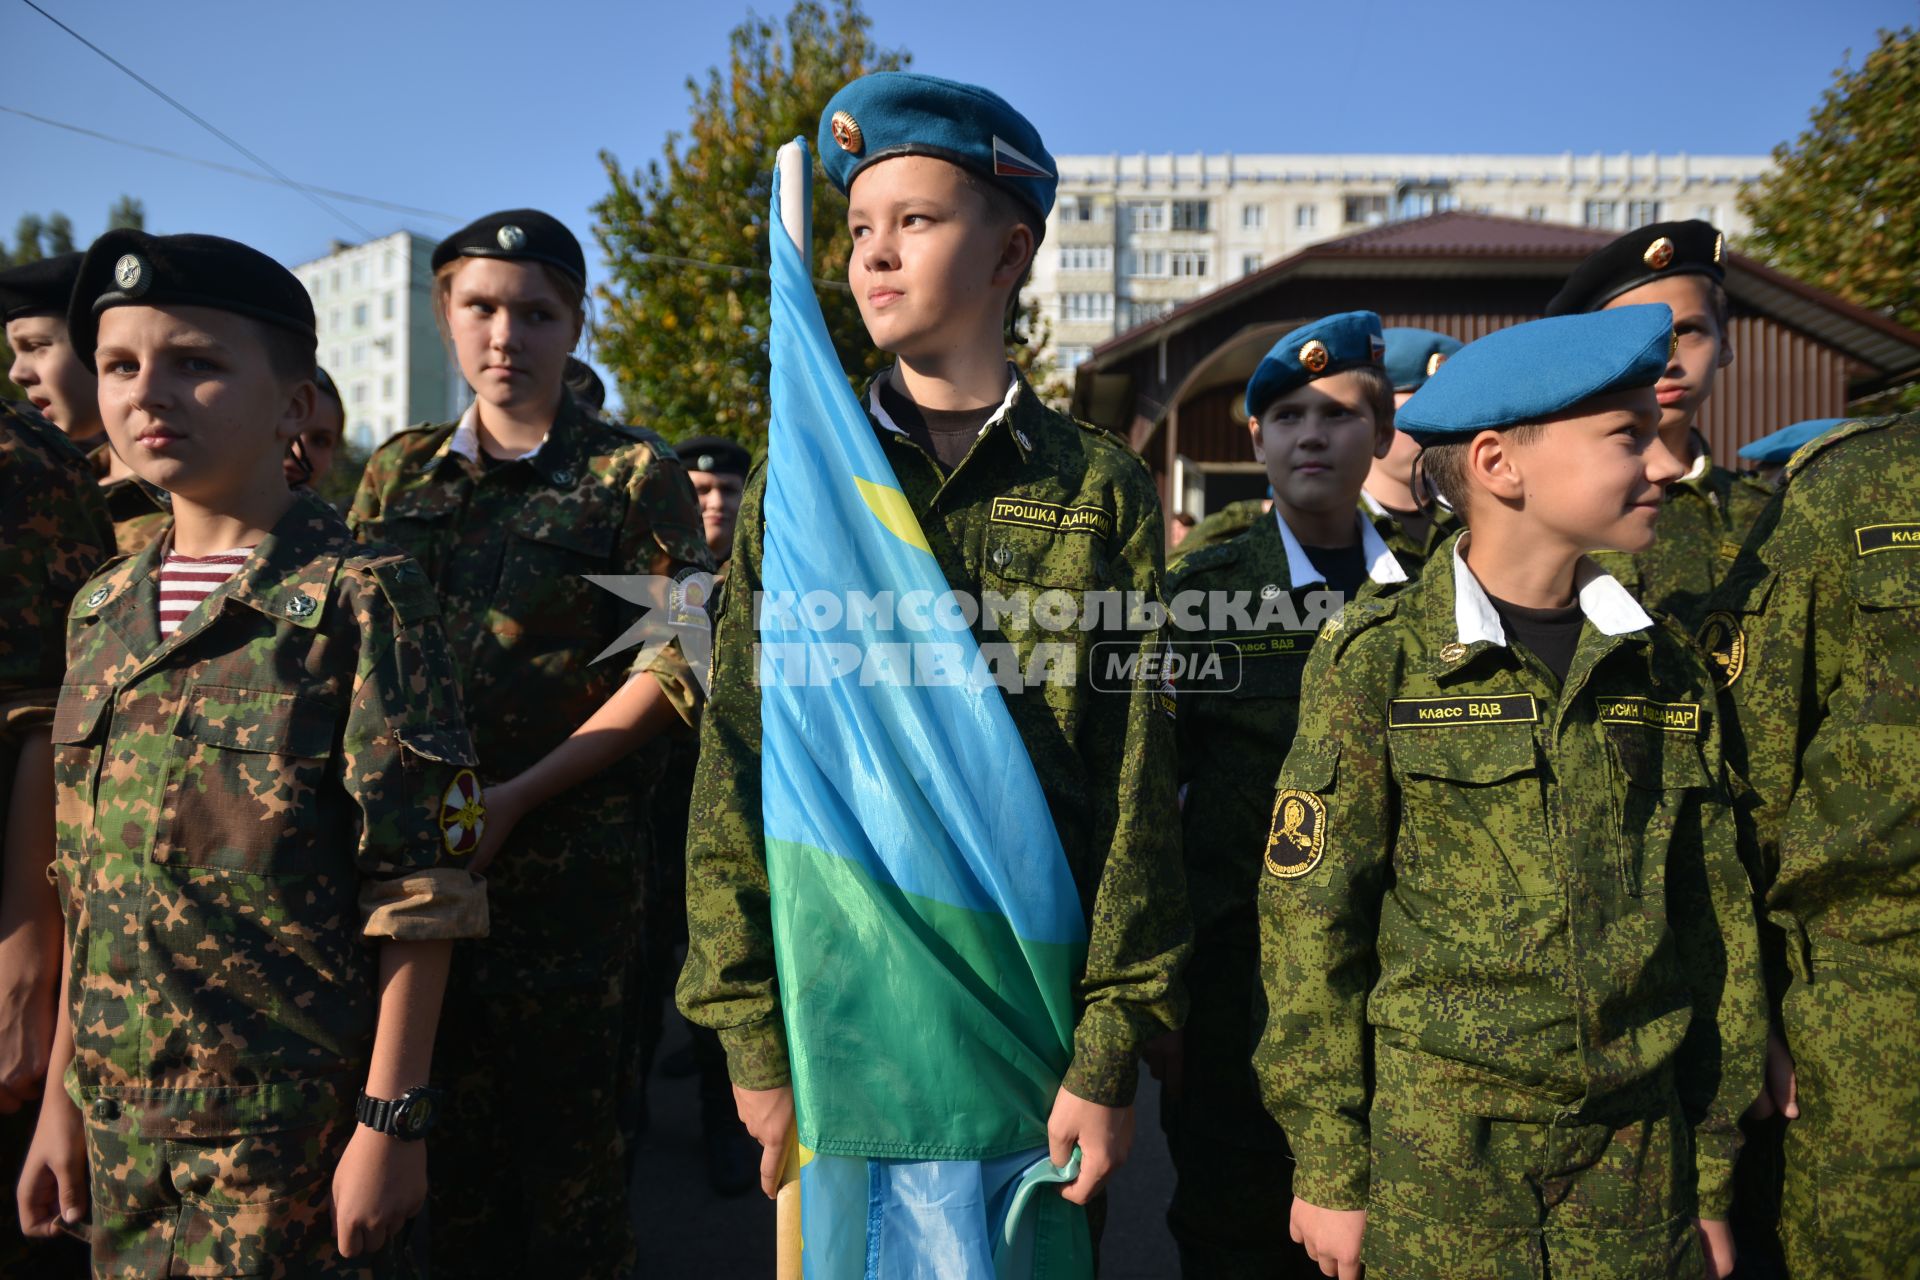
(927, 931)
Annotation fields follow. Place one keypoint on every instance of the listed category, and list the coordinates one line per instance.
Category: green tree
(683, 320)
(1838, 210)
(127, 214)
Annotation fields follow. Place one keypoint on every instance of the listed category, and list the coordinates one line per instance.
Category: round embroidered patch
(1299, 834)
(463, 814)
(1726, 644)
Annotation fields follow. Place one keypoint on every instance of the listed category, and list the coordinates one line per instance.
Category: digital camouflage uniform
(1507, 942)
(529, 1160)
(1702, 523)
(138, 510)
(998, 522)
(1229, 521)
(1818, 630)
(1443, 525)
(53, 534)
(245, 809)
(1232, 732)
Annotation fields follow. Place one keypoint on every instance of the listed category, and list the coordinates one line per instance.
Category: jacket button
(1000, 557)
(106, 1109)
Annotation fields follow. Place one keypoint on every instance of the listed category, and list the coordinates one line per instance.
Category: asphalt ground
(686, 1231)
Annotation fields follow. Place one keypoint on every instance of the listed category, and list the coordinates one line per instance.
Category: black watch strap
(407, 1117)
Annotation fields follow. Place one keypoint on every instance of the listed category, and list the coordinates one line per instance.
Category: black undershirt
(946, 434)
(1551, 635)
(1344, 568)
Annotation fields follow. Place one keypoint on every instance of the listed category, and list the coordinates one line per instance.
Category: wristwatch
(408, 1117)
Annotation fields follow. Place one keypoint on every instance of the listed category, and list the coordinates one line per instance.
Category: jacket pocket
(1473, 802)
(247, 790)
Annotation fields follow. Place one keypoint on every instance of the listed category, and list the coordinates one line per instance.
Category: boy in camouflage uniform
(1320, 410)
(1815, 637)
(264, 807)
(53, 534)
(1709, 508)
(949, 189)
(1514, 1006)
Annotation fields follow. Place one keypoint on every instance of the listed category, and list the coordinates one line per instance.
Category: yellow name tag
(1048, 515)
(1419, 713)
(1274, 644)
(1887, 537)
(1669, 717)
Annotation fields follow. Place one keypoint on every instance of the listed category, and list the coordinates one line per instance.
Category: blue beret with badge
(1538, 369)
(1414, 354)
(516, 235)
(1774, 450)
(1329, 345)
(905, 113)
(132, 268)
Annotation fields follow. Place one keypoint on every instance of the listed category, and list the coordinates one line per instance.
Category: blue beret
(904, 113)
(1535, 370)
(1331, 344)
(1413, 355)
(1774, 450)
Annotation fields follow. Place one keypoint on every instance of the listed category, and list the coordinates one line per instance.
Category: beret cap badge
(1659, 254)
(846, 132)
(1313, 356)
(510, 238)
(132, 274)
(1719, 248)
(1434, 362)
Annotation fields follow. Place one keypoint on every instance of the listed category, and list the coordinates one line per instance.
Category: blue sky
(486, 104)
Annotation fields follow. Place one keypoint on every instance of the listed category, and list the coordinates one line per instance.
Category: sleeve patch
(1298, 837)
(1725, 641)
(463, 814)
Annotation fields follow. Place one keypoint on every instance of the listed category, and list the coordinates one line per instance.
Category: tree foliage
(683, 320)
(1839, 208)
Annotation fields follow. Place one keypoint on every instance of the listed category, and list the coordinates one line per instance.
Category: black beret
(714, 454)
(37, 288)
(518, 235)
(324, 380)
(1641, 256)
(126, 267)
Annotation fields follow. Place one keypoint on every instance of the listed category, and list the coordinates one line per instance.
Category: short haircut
(1006, 209)
(1375, 386)
(290, 355)
(1445, 464)
(1717, 300)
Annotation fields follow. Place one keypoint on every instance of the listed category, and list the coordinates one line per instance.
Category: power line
(233, 169)
(177, 105)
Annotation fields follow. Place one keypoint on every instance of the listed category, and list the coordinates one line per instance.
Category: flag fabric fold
(927, 930)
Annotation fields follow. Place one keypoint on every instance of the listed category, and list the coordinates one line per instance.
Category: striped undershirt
(187, 580)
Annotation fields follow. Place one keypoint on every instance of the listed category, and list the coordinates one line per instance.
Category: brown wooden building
(1173, 387)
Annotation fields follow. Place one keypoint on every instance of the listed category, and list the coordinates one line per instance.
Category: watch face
(419, 1114)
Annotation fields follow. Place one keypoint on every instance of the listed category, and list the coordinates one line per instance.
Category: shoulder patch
(1297, 837)
(1821, 444)
(403, 582)
(1725, 642)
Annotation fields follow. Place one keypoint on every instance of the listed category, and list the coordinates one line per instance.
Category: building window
(1249, 263)
(1133, 313)
(1191, 215)
(359, 272)
(386, 387)
(1086, 306)
(1146, 215)
(1642, 213)
(1253, 217)
(338, 359)
(313, 285)
(1079, 209)
(333, 320)
(1603, 214)
(359, 315)
(1086, 257)
(386, 424)
(1306, 215)
(1707, 213)
(1187, 264)
(359, 393)
(1146, 262)
(335, 283)
(1069, 357)
(1536, 213)
(386, 306)
(1371, 210)
(1429, 198)
(359, 354)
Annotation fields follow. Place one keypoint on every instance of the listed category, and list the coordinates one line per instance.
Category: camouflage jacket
(138, 510)
(53, 534)
(1702, 523)
(1443, 525)
(1233, 725)
(508, 548)
(1530, 891)
(1039, 503)
(241, 807)
(1216, 527)
(1817, 631)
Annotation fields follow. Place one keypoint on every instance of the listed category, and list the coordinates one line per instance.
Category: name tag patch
(1887, 537)
(1274, 644)
(1419, 713)
(1049, 515)
(1668, 717)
